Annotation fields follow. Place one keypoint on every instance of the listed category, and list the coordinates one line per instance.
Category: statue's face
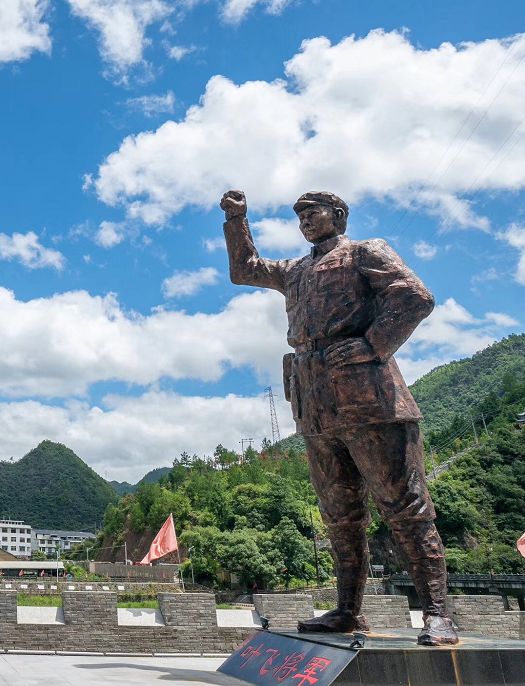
(317, 223)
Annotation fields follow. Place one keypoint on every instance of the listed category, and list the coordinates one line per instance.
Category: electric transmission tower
(276, 436)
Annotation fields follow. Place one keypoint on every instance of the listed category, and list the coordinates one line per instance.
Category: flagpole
(178, 555)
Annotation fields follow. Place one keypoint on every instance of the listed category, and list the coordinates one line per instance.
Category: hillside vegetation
(458, 387)
(53, 488)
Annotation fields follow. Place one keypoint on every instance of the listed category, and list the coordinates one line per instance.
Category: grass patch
(324, 605)
(226, 606)
(39, 600)
(152, 604)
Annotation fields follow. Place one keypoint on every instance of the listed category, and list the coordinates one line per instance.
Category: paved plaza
(77, 670)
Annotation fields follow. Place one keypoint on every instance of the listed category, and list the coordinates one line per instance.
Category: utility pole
(242, 442)
(315, 549)
(433, 461)
(125, 553)
(474, 429)
(484, 424)
(191, 564)
(276, 436)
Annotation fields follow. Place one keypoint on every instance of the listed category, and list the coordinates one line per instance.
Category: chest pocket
(331, 276)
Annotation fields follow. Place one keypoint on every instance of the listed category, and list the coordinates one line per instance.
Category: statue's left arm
(402, 300)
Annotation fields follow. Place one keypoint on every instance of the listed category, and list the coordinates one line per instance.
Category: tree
(295, 550)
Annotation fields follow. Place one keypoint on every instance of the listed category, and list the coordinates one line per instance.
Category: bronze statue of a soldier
(351, 305)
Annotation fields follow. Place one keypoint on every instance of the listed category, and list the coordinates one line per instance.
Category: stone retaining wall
(485, 614)
(121, 639)
(387, 611)
(92, 626)
(91, 622)
(188, 609)
(90, 609)
(282, 610)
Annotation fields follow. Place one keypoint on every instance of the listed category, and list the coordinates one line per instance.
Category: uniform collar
(326, 246)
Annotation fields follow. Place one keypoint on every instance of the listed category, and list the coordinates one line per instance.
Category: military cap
(320, 198)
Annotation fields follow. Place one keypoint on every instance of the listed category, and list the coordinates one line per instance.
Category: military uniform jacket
(343, 289)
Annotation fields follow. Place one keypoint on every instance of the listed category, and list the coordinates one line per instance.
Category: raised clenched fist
(234, 204)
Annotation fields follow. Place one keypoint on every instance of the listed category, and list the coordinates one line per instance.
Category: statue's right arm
(246, 266)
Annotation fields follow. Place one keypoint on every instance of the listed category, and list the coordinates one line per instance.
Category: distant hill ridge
(51, 487)
(123, 487)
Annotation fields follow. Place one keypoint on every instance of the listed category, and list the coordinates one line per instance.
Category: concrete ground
(80, 670)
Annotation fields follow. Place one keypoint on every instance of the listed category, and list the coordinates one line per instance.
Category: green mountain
(53, 488)
(459, 387)
(124, 487)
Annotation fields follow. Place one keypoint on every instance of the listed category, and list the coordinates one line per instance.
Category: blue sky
(123, 122)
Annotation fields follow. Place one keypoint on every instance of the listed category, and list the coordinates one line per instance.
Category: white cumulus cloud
(179, 52)
(153, 105)
(122, 26)
(424, 250)
(501, 319)
(128, 436)
(182, 283)
(23, 29)
(27, 249)
(515, 237)
(59, 346)
(234, 11)
(281, 235)
(213, 244)
(451, 332)
(110, 234)
(374, 116)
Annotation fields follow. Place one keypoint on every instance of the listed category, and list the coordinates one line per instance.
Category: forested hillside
(253, 515)
(458, 387)
(51, 487)
(250, 515)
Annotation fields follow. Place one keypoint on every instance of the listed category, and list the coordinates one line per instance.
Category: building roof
(31, 564)
(5, 556)
(60, 533)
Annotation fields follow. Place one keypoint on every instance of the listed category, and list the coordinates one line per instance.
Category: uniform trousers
(385, 460)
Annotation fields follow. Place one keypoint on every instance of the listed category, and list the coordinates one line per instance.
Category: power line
(433, 175)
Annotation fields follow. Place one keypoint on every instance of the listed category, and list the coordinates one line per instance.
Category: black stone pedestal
(393, 658)
(389, 658)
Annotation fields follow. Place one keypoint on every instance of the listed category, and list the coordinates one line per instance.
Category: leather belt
(318, 344)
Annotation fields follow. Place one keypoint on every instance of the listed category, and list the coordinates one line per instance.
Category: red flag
(520, 545)
(21, 572)
(42, 573)
(164, 542)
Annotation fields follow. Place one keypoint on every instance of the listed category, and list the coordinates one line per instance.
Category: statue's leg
(390, 457)
(342, 497)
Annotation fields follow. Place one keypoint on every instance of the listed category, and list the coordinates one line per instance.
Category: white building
(15, 537)
(48, 540)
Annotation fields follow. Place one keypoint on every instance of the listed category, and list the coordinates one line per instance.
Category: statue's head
(321, 215)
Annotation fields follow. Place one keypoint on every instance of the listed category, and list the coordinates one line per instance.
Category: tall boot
(424, 549)
(350, 551)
